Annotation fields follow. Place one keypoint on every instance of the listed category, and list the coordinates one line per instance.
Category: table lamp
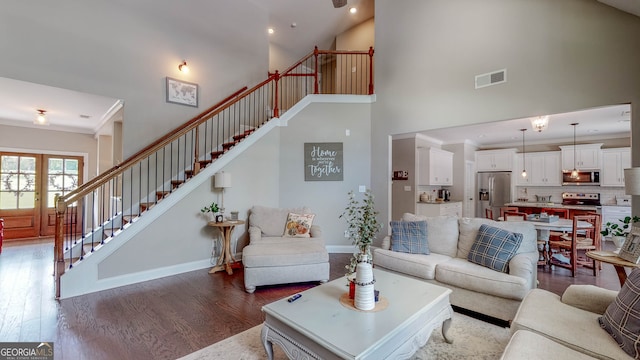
(632, 182)
(222, 181)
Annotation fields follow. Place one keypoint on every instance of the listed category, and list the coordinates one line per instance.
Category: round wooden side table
(612, 258)
(226, 259)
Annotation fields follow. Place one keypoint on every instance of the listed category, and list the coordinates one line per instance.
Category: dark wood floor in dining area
(160, 319)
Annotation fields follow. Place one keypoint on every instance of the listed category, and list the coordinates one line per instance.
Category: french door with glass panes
(29, 184)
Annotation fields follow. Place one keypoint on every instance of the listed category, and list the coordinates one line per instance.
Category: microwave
(583, 178)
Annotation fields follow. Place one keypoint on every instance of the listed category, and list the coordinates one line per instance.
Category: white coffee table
(317, 325)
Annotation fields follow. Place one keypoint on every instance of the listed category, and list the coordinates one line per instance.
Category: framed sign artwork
(323, 162)
(182, 92)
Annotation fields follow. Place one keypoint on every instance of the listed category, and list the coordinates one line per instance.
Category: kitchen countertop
(552, 205)
(437, 202)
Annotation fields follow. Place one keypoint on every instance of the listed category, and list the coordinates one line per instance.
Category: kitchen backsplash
(607, 194)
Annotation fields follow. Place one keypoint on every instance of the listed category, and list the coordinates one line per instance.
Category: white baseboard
(341, 249)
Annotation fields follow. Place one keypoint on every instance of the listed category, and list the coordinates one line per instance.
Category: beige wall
(269, 173)
(560, 56)
(126, 49)
(15, 138)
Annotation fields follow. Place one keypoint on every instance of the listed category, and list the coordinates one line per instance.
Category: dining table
(544, 229)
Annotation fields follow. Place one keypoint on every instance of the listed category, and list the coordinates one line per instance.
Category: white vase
(364, 298)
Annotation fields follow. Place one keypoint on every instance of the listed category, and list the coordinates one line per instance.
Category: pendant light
(524, 170)
(574, 172)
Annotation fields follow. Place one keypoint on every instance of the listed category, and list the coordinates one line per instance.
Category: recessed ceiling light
(592, 130)
(270, 31)
(85, 116)
(293, 25)
(353, 10)
(481, 136)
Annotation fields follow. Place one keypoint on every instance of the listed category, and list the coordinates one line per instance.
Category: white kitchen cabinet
(453, 208)
(587, 157)
(543, 169)
(435, 166)
(495, 160)
(614, 161)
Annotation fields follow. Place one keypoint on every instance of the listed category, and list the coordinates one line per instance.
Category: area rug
(472, 339)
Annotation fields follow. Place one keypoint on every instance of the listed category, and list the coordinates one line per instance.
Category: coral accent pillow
(298, 225)
(622, 318)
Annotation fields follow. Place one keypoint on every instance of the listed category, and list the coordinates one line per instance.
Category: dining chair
(488, 213)
(562, 213)
(515, 216)
(507, 208)
(571, 245)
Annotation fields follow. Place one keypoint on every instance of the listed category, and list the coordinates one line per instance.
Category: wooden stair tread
(216, 154)
(162, 194)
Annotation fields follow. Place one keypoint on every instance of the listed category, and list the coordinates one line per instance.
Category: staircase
(121, 200)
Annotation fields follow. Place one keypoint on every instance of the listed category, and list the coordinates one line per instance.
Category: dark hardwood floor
(160, 319)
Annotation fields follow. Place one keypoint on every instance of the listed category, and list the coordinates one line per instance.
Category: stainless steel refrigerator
(494, 191)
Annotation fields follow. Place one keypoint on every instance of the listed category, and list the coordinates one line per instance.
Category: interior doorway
(29, 184)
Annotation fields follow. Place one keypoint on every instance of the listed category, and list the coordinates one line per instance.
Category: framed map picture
(182, 92)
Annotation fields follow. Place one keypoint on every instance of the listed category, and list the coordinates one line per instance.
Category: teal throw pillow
(494, 247)
(409, 237)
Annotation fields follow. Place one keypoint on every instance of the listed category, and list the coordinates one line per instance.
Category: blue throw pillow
(494, 247)
(409, 237)
(622, 318)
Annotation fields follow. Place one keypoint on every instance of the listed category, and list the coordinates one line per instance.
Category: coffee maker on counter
(444, 194)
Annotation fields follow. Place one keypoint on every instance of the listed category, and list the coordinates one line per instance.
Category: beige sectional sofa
(548, 326)
(475, 287)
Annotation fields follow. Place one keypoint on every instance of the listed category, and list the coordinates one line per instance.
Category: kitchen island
(535, 207)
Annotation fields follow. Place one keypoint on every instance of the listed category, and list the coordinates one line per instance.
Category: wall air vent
(492, 78)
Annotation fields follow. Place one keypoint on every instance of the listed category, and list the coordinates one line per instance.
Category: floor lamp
(222, 181)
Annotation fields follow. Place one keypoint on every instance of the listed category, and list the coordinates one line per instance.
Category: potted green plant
(618, 232)
(362, 228)
(362, 225)
(211, 209)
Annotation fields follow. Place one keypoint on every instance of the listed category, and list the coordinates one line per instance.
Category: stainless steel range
(575, 198)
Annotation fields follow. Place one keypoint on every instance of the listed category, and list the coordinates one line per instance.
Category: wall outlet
(407, 188)
(346, 233)
(362, 188)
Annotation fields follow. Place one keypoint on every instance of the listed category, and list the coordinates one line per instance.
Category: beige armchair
(274, 258)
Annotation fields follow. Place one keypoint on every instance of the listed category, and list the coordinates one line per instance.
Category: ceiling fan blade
(339, 3)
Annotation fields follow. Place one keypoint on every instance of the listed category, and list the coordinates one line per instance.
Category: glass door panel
(63, 174)
(19, 192)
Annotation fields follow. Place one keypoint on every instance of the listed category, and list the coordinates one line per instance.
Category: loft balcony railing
(108, 204)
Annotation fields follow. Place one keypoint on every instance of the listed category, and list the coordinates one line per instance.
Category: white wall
(125, 50)
(560, 56)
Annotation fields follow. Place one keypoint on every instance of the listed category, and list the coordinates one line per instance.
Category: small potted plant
(212, 209)
(618, 232)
